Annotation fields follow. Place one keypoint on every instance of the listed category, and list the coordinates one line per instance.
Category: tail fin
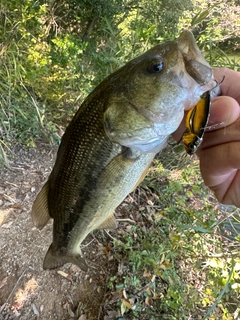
(53, 260)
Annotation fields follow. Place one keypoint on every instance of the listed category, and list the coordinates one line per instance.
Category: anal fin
(40, 214)
(109, 223)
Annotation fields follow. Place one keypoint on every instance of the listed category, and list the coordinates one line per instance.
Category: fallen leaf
(153, 278)
(65, 275)
(7, 225)
(162, 258)
(35, 310)
(108, 248)
(123, 308)
(3, 282)
(156, 297)
(16, 206)
(148, 291)
(149, 302)
(124, 294)
(128, 304)
(23, 294)
(146, 273)
(69, 309)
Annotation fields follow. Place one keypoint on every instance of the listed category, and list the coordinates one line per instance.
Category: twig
(126, 220)
(109, 234)
(86, 245)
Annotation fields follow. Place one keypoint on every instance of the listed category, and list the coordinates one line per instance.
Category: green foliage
(54, 53)
(174, 264)
(215, 24)
(157, 20)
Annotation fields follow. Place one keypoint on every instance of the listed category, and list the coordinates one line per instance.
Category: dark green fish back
(84, 153)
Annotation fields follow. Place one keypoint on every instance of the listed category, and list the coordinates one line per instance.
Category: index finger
(230, 85)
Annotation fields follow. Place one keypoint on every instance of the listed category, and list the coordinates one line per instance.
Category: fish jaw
(151, 106)
(197, 68)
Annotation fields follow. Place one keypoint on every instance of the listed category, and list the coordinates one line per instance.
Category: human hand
(219, 153)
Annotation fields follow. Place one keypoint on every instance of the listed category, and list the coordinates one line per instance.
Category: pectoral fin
(40, 214)
(109, 223)
(53, 260)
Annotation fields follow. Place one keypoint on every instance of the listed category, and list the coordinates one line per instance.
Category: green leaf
(199, 17)
(198, 229)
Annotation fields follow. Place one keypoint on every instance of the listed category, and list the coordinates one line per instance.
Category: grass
(176, 263)
(179, 259)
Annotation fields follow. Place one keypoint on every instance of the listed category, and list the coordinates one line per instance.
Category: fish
(112, 139)
(196, 122)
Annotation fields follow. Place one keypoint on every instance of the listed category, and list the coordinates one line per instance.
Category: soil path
(26, 290)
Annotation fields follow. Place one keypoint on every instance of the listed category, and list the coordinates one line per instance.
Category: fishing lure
(196, 122)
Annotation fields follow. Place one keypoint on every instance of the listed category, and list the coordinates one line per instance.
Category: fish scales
(83, 155)
(112, 140)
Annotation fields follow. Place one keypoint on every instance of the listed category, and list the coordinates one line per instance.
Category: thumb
(224, 111)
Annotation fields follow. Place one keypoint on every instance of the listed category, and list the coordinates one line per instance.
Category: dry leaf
(156, 297)
(35, 310)
(149, 302)
(148, 291)
(3, 282)
(124, 294)
(16, 206)
(162, 258)
(69, 309)
(108, 248)
(128, 304)
(123, 308)
(65, 275)
(146, 273)
(153, 278)
(7, 225)
(23, 294)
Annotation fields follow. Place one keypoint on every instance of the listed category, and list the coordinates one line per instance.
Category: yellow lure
(196, 122)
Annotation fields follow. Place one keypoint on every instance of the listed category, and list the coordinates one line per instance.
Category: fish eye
(156, 67)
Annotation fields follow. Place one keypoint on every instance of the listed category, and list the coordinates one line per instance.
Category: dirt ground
(26, 290)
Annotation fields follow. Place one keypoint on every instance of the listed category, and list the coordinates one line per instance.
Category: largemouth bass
(113, 138)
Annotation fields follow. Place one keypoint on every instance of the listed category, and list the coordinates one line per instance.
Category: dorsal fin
(109, 223)
(40, 214)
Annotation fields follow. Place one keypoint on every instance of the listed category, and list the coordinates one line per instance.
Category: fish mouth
(196, 65)
(143, 121)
